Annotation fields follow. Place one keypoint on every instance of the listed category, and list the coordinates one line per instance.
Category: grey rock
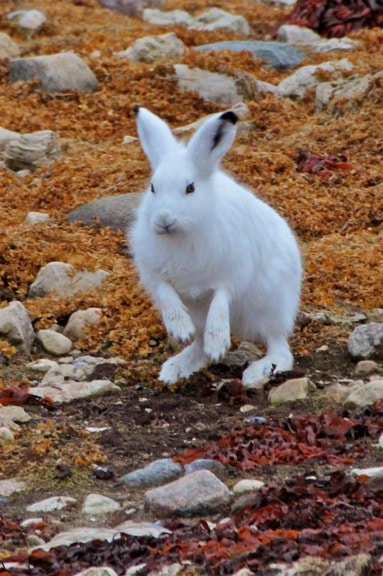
(79, 320)
(59, 277)
(310, 565)
(335, 45)
(159, 18)
(219, 88)
(246, 352)
(297, 35)
(97, 571)
(32, 150)
(297, 84)
(56, 72)
(54, 342)
(156, 473)
(376, 472)
(10, 415)
(366, 394)
(247, 485)
(294, 389)
(42, 365)
(52, 504)
(117, 212)
(345, 94)
(33, 218)
(206, 464)
(130, 7)
(8, 48)
(6, 435)
(199, 493)
(8, 487)
(215, 19)
(29, 21)
(278, 55)
(16, 326)
(366, 340)
(367, 367)
(70, 390)
(7, 136)
(151, 48)
(98, 505)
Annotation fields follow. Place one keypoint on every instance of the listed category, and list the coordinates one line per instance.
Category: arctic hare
(215, 259)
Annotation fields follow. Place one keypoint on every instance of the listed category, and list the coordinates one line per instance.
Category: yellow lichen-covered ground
(338, 221)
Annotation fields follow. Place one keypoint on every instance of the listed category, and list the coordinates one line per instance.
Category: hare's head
(182, 190)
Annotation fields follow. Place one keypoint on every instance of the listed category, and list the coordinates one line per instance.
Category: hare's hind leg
(184, 364)
(277, 359)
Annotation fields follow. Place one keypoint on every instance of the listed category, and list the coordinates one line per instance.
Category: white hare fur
(215, 259)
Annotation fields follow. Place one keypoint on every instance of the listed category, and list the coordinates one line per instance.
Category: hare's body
(217, 259)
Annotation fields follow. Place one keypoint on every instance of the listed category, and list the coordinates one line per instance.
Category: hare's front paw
(179, 325)
(183, 364)
(216, 342)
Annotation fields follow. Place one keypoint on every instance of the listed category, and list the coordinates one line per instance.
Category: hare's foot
(278, 359)
(217, 331)
(178, 324)
(184, 364)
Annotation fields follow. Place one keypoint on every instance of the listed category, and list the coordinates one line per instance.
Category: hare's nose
(165, 224)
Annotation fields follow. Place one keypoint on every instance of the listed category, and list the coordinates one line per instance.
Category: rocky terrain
(100, 464)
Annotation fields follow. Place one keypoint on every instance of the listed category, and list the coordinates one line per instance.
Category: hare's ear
(211, 142)
(155, 135)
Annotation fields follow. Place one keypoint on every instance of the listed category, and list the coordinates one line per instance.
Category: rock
(335, 44)
(8, 487)
(215, 19)
(294, 389)
(380, 441)
(247, 486)
(277, 54)
(157, 472)
(54, 342)
(199, 493)
(7, 136)
(154, 529)
(306, 77)
(10, 415)
(205, 464)
(8, 48)
(32, 150)
(339, 392)
(31, 522)
(151, 48)
(35, 218)
(16, 326)
(211, 86)
(293, 34)
(366, 394)
(246, 352)
(96, 504)
(6, 435)
(159, 18)
(29, 21)
(60, 278)
(174, 569)
(310, 565)
(117, 212)
(367, 367)
(376, 472)
(99, 571)
(56, 72)
(42, 365)
(79, 320)
(72, 390)
(366, 340)
(52, 504)
(343, 94)
(130, 7)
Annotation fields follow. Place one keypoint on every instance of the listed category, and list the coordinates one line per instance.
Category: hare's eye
(190, 188)
(152, 188)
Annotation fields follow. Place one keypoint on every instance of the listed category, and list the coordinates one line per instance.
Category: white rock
(51, 504)
(60, 278)
(297, 84)
(6, 435)
(366, 340)
(138, 529)
(31, 522)
(64, 372)
(293, 34)
(158, 17)
(16, 326)
(96, 504)
(8, 48)
(335, 44)
(56, 72)
(376, 472)
(32, 150)
(247, 486)
(54, 342)
(36, 217)
(8, 487)
(367, 367)
(380, 441)
(7, 136)
(294, 389)
(9, 415)
(30, 20)
(42, 365)
(99, 571)
(170, 570)
(71, 390)
(79, 320)
(151, 48)
(211, 86)
(215, 18)
(366, 394)
(339, 392)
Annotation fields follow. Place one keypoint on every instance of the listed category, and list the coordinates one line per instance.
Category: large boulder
(117, 212)
(59, 277)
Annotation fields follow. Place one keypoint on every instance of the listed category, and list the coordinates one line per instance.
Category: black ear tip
(136, 110)
(229, 116)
